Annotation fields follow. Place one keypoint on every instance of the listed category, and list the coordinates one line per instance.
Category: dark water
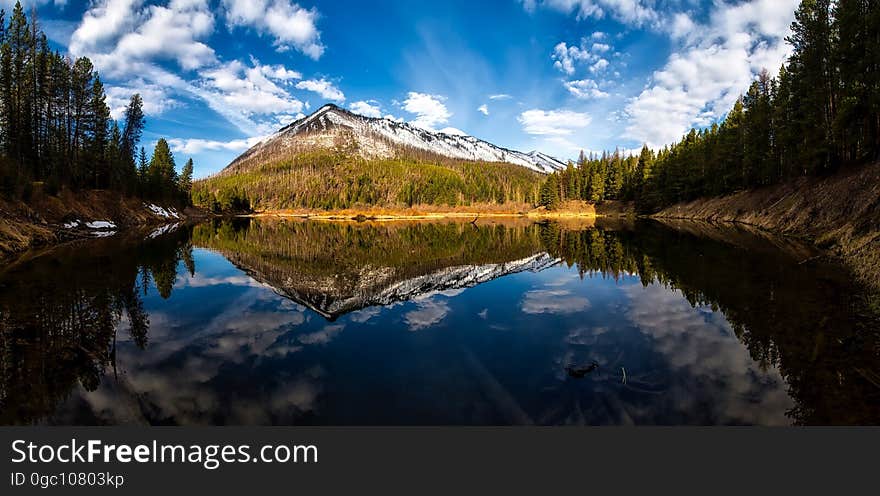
(285, 322)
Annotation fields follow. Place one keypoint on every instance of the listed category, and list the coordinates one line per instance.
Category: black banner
(431, 460)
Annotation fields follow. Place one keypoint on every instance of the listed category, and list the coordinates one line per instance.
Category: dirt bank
(47, 220)
(840, 214)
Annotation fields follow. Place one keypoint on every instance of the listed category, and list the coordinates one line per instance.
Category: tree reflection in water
(60, 314)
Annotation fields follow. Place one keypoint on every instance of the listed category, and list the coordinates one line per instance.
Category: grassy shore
(572, 209)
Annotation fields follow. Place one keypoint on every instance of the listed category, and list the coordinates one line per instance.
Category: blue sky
(552, 75)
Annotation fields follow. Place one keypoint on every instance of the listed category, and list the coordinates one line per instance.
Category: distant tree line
(820, 113)
(56, 129)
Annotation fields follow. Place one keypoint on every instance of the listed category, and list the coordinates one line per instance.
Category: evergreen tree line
(821, 112)
(56, 129)
(158, 177)
(595, 179)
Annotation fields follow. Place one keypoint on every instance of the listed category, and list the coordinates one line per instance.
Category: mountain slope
(331, 127)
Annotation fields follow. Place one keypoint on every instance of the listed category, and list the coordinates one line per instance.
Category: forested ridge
(820, 113)
(338, 179)
(56, 129)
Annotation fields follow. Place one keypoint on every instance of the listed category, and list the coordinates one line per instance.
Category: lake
(289, 322)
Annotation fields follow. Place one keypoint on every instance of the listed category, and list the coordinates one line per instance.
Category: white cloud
(428, 313)
(290, 25)
(682, 26)
(240, 92)
(201, 281)
(102, 23)
(367, 108)
(599, 66)
(277, 72)
(566, 58)
(117, 34)
(484, 109)
(323, 336)
(714, 64)
(322, 87)
(553, 122)
(500, 96)
(365, 315)
(701, 346)
(634, 12)
(26, 4)
(195, 146)
(156, 98)
(129, 41)
(553, 301)
(428, 109)
(585, 89)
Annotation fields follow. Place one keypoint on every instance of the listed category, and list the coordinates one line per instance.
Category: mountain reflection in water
(291, 322)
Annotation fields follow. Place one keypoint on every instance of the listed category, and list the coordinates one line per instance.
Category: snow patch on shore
(169, 213)
(101, 225)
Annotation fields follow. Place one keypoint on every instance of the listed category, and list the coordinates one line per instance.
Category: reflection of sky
(224, 349)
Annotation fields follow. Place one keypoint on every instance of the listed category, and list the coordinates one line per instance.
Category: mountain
(332, 127)
(546, 162)
(374, 289)
(335, 270)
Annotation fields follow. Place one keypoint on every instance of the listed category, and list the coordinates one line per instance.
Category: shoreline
(806, 209)
(367, 216)
(47, 221)
(568, 210)
(809, 209)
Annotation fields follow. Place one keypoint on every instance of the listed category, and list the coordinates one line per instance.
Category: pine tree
(16, 50)
(185, 181)
(54, 120)
(134, 127)
(814, 83)
(643, 174)
(143, 177)
(162, 173)
(81, 89)
(757, 133)
(857, 24)
(550, 192)
(99, 115)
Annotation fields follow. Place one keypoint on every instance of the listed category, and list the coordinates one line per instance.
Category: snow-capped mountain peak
(331, 126)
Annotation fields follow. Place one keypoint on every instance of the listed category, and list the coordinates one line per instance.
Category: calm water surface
(289, 322)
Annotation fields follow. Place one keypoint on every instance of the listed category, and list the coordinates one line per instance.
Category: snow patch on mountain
(387, 138)
(439, 282)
